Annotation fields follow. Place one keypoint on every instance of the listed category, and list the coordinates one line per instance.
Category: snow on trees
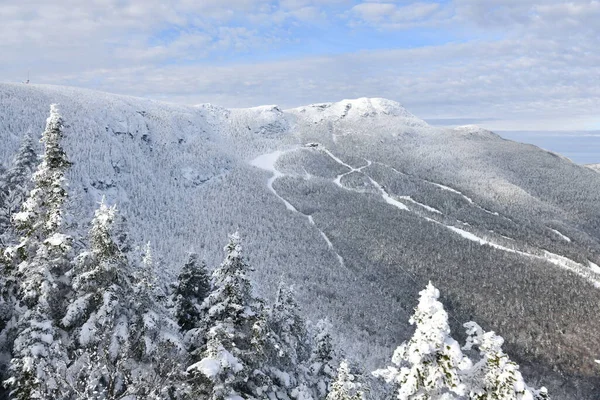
(193, 286)
(99, 314)
(322, 359)
(428, 365)
(156, 342)
(234, 317)
(345, 386)
(495, 376)
(42, 257)
(15, 183)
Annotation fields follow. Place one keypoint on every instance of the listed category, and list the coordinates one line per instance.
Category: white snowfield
(353, 202)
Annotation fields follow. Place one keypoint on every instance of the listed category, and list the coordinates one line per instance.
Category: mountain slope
(358, 203)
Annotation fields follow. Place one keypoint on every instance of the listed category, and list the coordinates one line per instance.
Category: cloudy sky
(503, 64)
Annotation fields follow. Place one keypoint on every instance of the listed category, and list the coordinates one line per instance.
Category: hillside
(359, 204)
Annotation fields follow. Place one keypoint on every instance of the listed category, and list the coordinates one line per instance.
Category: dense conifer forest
(85, 315)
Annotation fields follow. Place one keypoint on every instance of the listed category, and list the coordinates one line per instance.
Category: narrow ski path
(267, 162)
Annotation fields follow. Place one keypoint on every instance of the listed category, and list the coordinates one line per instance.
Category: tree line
(84, 316)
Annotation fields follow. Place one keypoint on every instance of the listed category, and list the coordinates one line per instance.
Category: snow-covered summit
(353, 109)
(594, 167)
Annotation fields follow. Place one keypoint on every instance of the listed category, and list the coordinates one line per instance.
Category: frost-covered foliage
(431, 365)
(232, 358)
(428, 366)
(322, 359)
(495, 376)
(193, 286)
(41, 258)
(15, 183)
(99, 315)
(345, 386)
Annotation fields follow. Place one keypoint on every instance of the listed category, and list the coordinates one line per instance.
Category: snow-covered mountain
(357, 203)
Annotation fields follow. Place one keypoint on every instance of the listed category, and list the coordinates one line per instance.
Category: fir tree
(41, 257)
(193, 287)
(99, 314)
(232, 360)
(322, 360)
(345, 386)
(156, 339)
(15, 183)
(287, 345)
(428, 366)
(495, 376)
(289, 326)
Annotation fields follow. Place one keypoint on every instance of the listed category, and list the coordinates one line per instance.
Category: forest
(85, 315)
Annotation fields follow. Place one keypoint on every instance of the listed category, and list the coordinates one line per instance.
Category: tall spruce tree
(322, 360)
(429, 365)
(41, 259)
(15, 184)
(156, 338)
(495, 376)
(287, 343)
(231, 362)
(193, 286)
(100, 313)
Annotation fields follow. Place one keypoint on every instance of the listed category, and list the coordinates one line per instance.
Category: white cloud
(541, 63)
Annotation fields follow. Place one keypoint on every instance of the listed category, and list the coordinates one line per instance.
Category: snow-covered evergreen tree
(99, 314)
(15, 183)
(288, 347)
(193, 286)
(156, 338)
(289, 326)
(429, 365)
(345, 386)
(232, 360)
(322, 360)
(495, 376)
(41, 258)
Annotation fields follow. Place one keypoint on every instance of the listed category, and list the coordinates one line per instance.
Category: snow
(563, 237)
(357, 109)
(267, 162)
(594, 267)
(57, 239)
(425, 206)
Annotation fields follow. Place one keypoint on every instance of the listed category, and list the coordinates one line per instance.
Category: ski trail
(589, 273)
(267, 162)
(563, 237)
(338, 180)
(425, 206)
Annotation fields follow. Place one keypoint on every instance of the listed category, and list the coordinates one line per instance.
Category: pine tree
(495, 376)
(193, 286)
(429, 365)
(345, 387)
(15, 183)
(99, 314)
(41, 258)
(322, 360)
(231, 362)
(289, 326)
(156, 338)
(287, 345)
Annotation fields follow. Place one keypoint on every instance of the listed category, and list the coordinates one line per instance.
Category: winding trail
(267, 162)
